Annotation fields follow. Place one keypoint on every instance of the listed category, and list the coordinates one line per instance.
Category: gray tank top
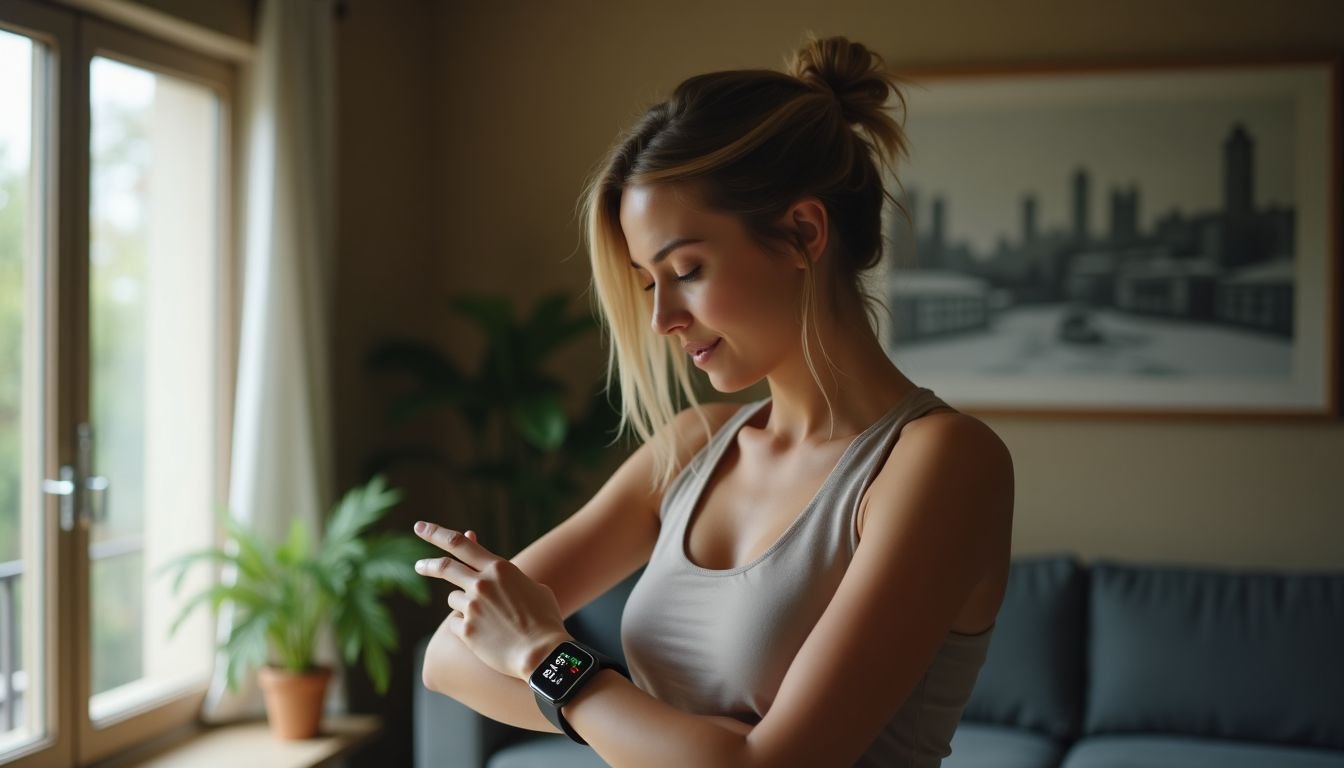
(718, 642)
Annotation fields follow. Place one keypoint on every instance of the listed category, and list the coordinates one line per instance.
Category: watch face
(556, 676)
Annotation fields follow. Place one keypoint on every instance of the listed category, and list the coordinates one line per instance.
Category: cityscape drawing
(1126, 249)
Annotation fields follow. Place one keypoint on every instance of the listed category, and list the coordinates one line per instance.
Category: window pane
(153, 254)
(22, 247)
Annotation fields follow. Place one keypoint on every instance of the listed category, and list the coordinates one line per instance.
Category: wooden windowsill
(251, 744)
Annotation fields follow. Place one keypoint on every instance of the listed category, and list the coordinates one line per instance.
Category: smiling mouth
(706, 350)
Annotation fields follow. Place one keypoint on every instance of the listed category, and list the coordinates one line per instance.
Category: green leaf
(391, 564)
(329, 579)
(253, 554)
(492, 314)
(350, 648)
(244, 596)
(188, 608)
(550, 326)
(548, 311)
(339, 562)
(365, 626)
(375, 621)
(183, 564)
(542, 421)
(418, 359)
(411, 406)
(378, 667)
(246, 646)
(295, 548)
(361, 507)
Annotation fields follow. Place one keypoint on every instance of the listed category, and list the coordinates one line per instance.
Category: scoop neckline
(703, 480)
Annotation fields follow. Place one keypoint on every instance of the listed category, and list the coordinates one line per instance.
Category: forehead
(653, 215)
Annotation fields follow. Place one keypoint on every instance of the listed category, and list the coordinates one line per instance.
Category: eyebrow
(668, 249)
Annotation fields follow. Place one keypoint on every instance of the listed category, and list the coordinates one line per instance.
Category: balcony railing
(14, 681)
(11, 686)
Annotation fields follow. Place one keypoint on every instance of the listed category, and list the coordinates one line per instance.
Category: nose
(668, 314)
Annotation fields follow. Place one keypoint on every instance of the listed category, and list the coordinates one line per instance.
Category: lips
(699, 350)
(695, 348)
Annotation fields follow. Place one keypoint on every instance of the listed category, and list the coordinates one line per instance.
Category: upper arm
(939, 516)
(613, 534)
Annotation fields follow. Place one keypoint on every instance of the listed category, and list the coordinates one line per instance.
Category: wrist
(539, 651)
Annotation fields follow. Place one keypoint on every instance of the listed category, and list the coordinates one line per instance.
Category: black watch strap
(552, 710)
(552, 713)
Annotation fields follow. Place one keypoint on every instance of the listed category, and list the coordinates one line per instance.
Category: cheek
(748, 307)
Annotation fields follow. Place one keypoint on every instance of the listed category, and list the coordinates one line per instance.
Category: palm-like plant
(516, 470)
(285, 593)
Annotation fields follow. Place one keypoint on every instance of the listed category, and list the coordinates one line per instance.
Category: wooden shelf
(251, 744)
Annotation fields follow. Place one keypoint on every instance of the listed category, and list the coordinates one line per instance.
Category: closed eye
(683, 278)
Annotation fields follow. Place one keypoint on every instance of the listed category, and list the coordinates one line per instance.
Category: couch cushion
(1143, 751)
(1033, 674)
(997, 746)
(1249, 655)
(550, 750)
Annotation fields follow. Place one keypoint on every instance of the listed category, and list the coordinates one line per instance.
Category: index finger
(455, 543)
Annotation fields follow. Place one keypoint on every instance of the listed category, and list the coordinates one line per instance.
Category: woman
(817, 592)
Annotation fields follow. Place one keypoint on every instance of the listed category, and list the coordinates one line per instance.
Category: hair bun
(855, 75)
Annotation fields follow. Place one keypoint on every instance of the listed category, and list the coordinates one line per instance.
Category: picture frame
(1153, 239)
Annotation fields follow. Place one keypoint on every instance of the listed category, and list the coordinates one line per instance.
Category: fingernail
(421, 527)
(420, 566)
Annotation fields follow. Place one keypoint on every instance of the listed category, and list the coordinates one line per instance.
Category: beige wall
(523, 97)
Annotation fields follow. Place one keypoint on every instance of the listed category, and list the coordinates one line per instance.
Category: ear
(808, 218)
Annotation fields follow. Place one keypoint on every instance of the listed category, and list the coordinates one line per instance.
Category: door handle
(64, 488)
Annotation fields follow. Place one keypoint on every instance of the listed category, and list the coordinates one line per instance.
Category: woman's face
(713, 290)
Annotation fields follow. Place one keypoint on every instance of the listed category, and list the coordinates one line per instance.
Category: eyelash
(683, 278)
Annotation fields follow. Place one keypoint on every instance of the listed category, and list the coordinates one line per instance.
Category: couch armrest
(447, 733)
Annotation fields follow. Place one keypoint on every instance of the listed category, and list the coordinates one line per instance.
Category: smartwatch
(558, 679)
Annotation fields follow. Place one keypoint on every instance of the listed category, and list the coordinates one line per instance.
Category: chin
(728, 385)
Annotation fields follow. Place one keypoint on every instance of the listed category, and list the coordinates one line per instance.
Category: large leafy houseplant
(285, 593)
(519, 465)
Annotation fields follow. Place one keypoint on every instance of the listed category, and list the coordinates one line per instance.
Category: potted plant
(516, 471)
(286, 592)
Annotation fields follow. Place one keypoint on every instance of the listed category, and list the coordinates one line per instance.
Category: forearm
(453, 670)
(629, 728)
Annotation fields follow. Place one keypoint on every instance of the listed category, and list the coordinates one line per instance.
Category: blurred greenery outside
(121, 153)
(13, 204)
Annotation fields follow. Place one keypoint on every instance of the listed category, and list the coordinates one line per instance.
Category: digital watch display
(555, 680)
(559, 674)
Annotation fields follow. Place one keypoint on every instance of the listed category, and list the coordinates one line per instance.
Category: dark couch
(1107, 665)
(1114, 665)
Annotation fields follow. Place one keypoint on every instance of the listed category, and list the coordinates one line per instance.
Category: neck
(859, 380)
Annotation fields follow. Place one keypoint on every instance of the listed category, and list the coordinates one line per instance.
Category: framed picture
(1156, 239)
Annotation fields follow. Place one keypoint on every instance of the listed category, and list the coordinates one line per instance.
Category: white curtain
(282, 465)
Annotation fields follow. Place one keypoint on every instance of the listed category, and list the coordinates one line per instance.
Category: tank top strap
(684, 484)
(870, 454)
(865, 460)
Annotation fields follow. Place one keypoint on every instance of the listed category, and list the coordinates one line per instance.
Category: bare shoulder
(945, 429)
(939, 453)
(949, 434)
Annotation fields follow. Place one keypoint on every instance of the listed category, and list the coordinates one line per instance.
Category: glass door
(36, 53)
(150, 440)
(115, 377)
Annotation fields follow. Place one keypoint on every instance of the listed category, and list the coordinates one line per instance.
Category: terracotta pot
(294, 700)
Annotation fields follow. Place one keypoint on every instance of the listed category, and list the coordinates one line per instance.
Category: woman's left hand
(508, 620)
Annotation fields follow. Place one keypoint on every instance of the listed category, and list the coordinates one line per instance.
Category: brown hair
(752, 142)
